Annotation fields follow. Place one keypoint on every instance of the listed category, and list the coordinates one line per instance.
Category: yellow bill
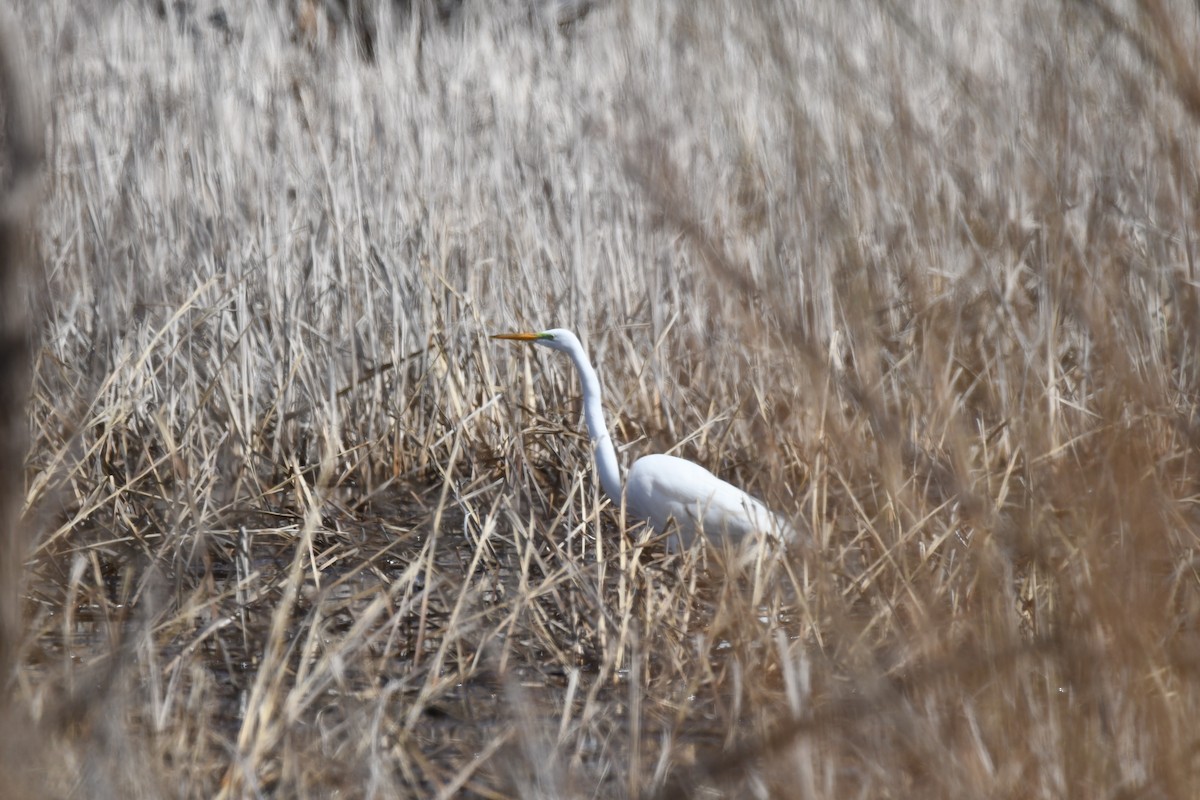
(520, 337)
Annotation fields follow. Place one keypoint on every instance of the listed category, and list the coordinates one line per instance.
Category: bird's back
(660, 488)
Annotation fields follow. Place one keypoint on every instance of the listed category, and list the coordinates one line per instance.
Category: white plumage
(661, 488)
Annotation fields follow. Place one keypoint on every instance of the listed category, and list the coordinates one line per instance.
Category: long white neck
(593, 413)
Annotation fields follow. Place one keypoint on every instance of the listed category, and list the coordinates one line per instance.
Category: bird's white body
(662, 489)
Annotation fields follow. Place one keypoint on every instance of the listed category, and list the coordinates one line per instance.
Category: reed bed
(922, 277)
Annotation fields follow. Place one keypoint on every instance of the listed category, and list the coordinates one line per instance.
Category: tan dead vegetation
(922, 277)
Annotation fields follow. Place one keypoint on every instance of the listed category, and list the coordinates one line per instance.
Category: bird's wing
(660, 488)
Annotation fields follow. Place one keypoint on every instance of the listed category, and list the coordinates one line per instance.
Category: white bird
(661, 488)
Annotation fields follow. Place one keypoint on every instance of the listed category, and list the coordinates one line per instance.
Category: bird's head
(556, 339)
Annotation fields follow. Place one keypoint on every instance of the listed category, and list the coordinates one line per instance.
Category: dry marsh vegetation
(920, 276)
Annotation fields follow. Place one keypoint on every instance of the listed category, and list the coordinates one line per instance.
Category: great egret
(661, 488)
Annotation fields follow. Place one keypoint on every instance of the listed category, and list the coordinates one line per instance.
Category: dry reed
(920, 276)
